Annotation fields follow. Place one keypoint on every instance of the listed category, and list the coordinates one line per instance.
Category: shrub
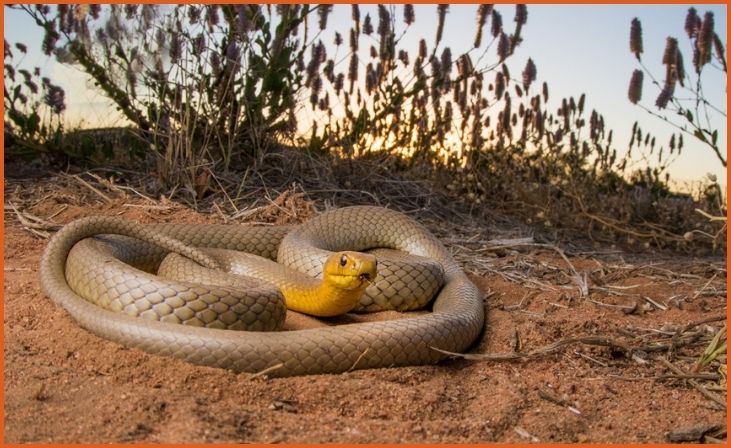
(201, 82)
(33, 105)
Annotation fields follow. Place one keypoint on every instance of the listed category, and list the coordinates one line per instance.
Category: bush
(33, 105)
(202, 83)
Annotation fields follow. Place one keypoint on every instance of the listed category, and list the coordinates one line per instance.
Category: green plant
(203, 83)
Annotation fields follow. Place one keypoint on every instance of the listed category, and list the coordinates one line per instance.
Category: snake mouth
(367, 278)
(363, 279)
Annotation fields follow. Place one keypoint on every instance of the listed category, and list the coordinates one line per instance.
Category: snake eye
(343, 260)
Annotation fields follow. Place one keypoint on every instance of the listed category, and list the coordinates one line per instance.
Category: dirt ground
(638, 317)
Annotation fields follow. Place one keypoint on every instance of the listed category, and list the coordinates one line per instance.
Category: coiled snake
(455, 320)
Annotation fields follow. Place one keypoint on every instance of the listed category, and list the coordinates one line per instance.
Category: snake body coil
(456, 319)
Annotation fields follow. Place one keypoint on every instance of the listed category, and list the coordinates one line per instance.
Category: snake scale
(455, 320)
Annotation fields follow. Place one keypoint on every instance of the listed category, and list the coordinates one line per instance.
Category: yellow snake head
(350, 271)
(345, 277)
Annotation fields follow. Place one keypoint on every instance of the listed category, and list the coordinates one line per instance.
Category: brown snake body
(456, 319)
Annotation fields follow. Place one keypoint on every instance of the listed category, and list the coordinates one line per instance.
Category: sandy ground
(62, 384)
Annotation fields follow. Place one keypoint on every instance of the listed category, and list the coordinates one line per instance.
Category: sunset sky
(576, 48)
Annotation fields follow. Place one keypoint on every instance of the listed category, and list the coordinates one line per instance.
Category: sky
(576, 48)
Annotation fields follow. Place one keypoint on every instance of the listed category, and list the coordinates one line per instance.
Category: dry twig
(706, 393)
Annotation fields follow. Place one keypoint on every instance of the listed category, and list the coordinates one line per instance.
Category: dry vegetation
(219, 94)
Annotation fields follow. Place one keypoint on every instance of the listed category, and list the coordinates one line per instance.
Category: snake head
(350, 270)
